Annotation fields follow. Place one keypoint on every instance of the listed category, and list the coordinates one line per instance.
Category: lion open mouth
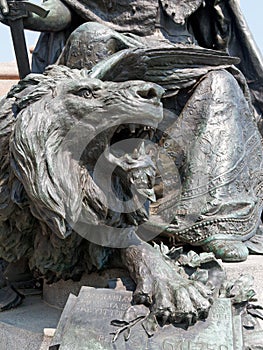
(128, 131)
(128, 137)
(132, 151)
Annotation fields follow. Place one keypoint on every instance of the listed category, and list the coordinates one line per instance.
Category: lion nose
(150, 91)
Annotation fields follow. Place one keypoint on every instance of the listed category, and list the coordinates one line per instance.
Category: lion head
(54, 128)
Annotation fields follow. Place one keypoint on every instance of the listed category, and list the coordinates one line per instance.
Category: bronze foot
(229, 251)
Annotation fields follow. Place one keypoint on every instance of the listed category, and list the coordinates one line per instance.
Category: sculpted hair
(32, 129)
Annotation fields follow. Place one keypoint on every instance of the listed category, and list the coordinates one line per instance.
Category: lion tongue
(148, 193)
(143, 178)
(139, 169)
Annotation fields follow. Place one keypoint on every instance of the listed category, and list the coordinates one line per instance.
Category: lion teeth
(120, 128)
(148, 193)
(142, 151)
(135, 154)
(132, 128)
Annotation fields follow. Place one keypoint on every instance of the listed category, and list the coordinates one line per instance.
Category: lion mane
(46, 176)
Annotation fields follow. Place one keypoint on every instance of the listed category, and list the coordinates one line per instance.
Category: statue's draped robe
(218, 150)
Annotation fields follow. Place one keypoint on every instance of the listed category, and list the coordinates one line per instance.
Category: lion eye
(86, 93)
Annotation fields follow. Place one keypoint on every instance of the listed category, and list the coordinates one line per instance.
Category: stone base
(86, 324)
(23, 327)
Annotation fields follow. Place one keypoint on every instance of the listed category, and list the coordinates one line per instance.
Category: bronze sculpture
(210, 133)
(49, 243)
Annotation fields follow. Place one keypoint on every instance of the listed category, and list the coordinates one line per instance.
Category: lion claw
(171, 297)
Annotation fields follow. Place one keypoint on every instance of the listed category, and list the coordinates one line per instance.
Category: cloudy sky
(252, 9)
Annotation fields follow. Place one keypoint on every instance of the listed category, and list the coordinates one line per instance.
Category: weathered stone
(13, 334)
(49, 332)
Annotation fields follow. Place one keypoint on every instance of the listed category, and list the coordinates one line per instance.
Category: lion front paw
(175, 300)
(171, 297)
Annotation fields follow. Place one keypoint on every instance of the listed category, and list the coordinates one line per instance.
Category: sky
(252, 9)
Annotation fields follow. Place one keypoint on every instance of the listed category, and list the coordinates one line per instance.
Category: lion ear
(31, 89)
(32, 94)
(35, 86)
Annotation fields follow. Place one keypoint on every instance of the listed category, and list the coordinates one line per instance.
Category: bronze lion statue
(54, 130)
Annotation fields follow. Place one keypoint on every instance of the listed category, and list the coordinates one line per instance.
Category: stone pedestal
(23, 327)
(57, 294)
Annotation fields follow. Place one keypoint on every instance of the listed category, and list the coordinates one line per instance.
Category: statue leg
(221, 202)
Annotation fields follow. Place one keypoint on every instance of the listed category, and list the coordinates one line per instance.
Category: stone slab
(61, 327)
(88, 326)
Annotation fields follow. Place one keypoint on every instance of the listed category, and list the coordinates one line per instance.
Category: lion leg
(170, 296)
